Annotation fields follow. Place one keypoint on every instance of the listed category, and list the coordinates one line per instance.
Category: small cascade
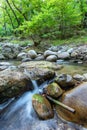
(20, 115)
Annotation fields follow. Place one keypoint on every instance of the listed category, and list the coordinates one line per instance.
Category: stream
(18, 114)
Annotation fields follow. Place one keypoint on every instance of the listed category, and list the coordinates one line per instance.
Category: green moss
(38, 98)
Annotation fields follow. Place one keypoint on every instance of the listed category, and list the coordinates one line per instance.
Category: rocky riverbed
(65, 85)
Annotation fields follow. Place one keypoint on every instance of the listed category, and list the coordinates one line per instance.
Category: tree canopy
(42, 18)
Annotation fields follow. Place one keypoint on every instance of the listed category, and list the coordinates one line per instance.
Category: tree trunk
(13, 12)
(10, 18)
(19, 10)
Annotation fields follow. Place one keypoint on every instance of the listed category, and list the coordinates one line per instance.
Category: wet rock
(52, 58)
(42, 107)
(26, 59)
(40, 69)
(12, 83)
(48, 53)
(5, 64)
(32, 54)
(10, 51)
(70, 50)
(63, 55)
(65, 81)
(3, 67)
(21, 55)
(54, 48)
(53, 90)
(76, 99)
(85, 76)
(78, 77)
(2, 57)
(39, 57)
(74, 54)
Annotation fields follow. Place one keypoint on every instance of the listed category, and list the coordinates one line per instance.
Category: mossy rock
(54, 90)
(42, 107)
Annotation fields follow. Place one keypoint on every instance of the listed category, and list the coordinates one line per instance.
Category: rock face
(12, 83)
(40, 69)
(54, 90)
(42, 107)
(77, 99)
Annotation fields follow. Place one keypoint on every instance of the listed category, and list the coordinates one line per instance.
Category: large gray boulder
(48, 53)
(12, 83)
(65, 81)
(32, 54)
(10, 51)
(52, 58)
(21, 55)
(63, 55)
(40, 69)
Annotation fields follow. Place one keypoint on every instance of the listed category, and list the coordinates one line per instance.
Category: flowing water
(18, 114)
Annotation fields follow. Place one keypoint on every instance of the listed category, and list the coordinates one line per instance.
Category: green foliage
(42, 18)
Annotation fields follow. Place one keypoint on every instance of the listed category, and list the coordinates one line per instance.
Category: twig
(61, 104)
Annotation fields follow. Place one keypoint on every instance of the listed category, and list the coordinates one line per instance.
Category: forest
(43, 19)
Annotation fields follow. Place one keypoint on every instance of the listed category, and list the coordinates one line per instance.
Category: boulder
(39, 57)
(12, 83)
(65, 81)
(21, 55)
(2, 57)
(42, 107)
(52, 58)
(85, 76)
(53, 90)
(76, 99)
(63, 55)
(26, 59)
(10, 51)
(32, 54)
(40, 69)
(48, 53)
(78, 77)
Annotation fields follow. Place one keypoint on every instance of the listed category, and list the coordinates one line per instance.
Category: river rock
(78, 77)
(48, 53)
(12, 83)
(85, 76)
(32, 54)
(2, 57)
(65, 81)
(63, 55)
(10, 51)
(42, 107)
(26, 59)
(40, 69)
(52, 58)
(76, 99)
(54, 90)
(21, 55)
(74, 54)
(39, 57)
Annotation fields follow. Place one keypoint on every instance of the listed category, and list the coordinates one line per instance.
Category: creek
(18, 114)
